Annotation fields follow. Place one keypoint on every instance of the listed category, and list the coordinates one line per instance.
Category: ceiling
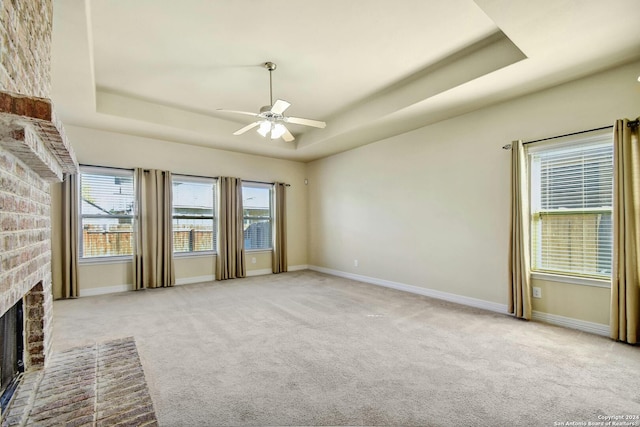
(370, 68)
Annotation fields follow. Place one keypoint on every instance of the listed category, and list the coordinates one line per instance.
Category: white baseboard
(266, 271)
(569, 322)
(90, 292)
(195, 279)
(459, 299)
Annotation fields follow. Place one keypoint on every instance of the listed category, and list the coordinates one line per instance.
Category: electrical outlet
(355, 262)
(253, 260)
(537, 292)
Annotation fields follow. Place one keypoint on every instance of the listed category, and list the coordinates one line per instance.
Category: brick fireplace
(34, 152)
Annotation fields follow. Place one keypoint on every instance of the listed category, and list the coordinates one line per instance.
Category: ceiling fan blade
(246, 128)
(238, 112)
(279, 106)
(286, 136)
(305, 122)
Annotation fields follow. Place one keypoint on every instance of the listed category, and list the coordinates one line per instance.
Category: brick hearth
(97, 385)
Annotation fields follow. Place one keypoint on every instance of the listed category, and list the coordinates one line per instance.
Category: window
(194, 221)
(106, 212)
(257, 211)
(571, 205)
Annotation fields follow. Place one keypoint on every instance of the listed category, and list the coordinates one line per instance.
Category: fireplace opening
(11, 353)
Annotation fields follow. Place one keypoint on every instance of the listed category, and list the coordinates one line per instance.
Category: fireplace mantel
(30, 130)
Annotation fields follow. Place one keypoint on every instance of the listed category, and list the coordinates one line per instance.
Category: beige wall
(105, 275)
(430, 208)
(195, 266)
(204, 266)
(258, 261)
(102, 148)
(588, 303)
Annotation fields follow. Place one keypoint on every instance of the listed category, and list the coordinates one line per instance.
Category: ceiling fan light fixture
(278, 130)
(270, 116)
(265, 127)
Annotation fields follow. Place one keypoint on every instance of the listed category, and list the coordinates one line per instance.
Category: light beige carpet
(304, 348)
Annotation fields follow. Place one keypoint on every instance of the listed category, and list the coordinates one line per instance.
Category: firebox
(11, 352)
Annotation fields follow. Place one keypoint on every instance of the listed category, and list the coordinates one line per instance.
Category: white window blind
(258, 214)
(194, 221)
(571, 206)
(106, 212)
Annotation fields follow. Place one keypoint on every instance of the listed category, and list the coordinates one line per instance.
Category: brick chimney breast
(34, 152)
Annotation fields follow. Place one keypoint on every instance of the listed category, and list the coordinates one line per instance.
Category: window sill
(254, 251)
(575, 280)
(106, 260)
(194, 254)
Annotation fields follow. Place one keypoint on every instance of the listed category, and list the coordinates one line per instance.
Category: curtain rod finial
(506, 147)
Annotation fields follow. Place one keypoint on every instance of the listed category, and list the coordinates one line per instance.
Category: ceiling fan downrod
(270, 66)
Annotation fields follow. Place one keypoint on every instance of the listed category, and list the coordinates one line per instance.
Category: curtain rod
(508, 146)
(108, 167)
(192, 176)
(179, 174)
(264, 182)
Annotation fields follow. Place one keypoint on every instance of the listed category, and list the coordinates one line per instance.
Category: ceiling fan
(271, 117)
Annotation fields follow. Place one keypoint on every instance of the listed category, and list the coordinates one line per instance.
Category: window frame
(206, 180)
(105, 171)
(600, 138)
(253, 184)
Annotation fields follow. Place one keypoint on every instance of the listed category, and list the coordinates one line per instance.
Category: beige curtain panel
(279, 255)
(70, 226)
(519, 252)
(153, 254)
(139, 230)
(625, 282)
(230, 251)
